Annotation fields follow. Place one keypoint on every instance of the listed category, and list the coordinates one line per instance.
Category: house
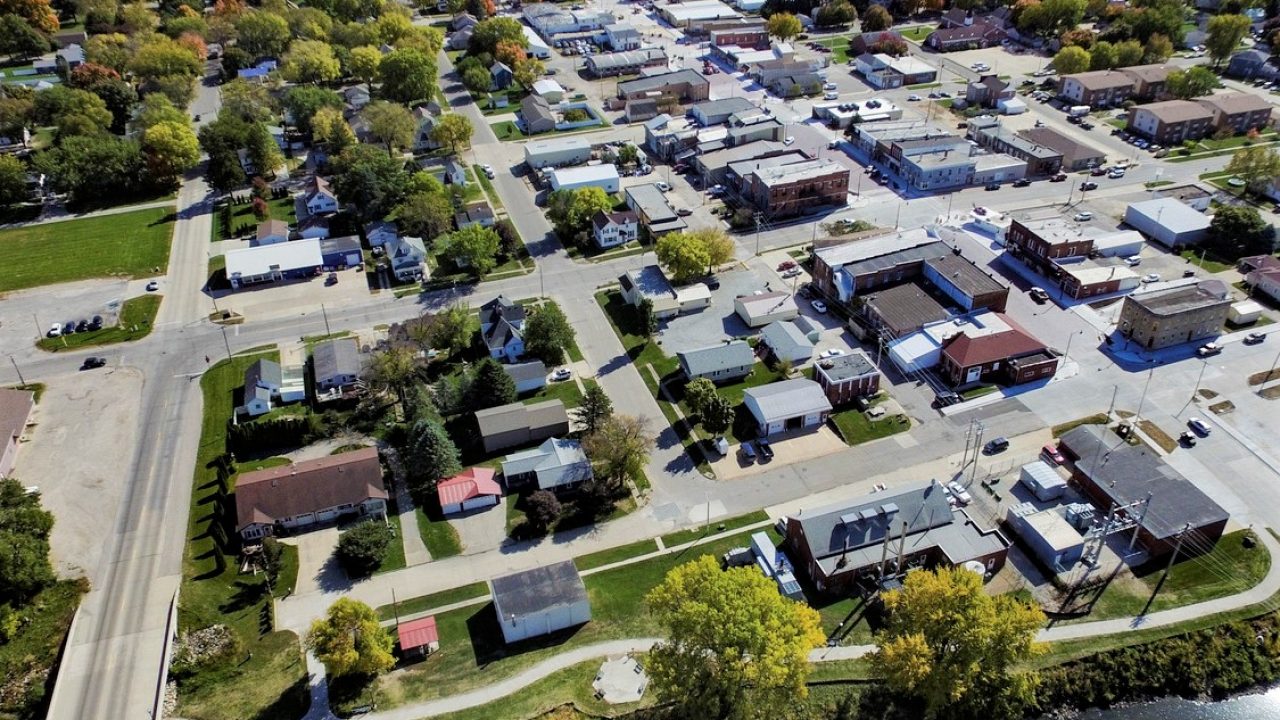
(786, 343)
(1169, 316)
(257, 73)
(461, 39)
(796, 404)
(1167, 221)
(454, 173)
(463, 21)
(614, 228)
(355, 97)
(528, 376)
(1114, 474)
(265, 381)
(650, 283)
(256, 265)
(847, 377)
(536, 113)
(418, 638)
(426, 124)
(297, 496)
(721, 363)
(1252, 64)
(1011, 357)
(501, 328)
(1238, 112)
(763, 308)
(653, 209)
(987, 91)
(549, 89)
(475, 213)
(272, 232)
(69, 58)
(840, 545)
(380, 232)
(336, 365)
(318, 198)
(408, 256)
(555, 464)
(15, 413)
(1172, 121)
(471, 489)
(540, 601)
(518, 424)
(500, 76)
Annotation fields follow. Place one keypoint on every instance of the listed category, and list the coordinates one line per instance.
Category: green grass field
(134, 244)
(507, 130)
(438, 535)
(243, 223)
(856, 428)
(137, 317)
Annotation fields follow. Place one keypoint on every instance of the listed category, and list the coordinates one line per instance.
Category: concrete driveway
(318, 569)
(482, 530)
(787, 449)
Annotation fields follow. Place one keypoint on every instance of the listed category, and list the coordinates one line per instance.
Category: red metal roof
(470, 483)
(418, 633)
(1015, 342)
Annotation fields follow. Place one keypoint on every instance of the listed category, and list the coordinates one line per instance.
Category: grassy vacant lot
(28, 656)
(855, 427)
(137, 316)
(613, 555)
(270, 679)
(243, 222)
(434, 600)
(134, 244)
(681, 537)
(507, 130)
(1206, 262)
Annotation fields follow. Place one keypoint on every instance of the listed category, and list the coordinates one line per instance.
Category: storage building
(540, 601)
(604, 177)
(1051, 538)
(1167, 221)
(557, 152)
(1043, 481)
(795, 404)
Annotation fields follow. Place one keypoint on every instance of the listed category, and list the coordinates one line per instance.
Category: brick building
(1172, 316)
(786, 190)
(1172, 121)
(847, 378)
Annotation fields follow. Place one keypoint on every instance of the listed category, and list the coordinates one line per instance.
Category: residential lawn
(243, 222)
(640, 349)
(31, 652)
(489, 190)
(514, 94)
(137, 317)
(567, 694)
(566, 392)
(438, 535)
(856, 428)
(1236, 141)
(1066, 427)
(270, 679)
(1207, 263)
(434, 600)
(445, 274)
(134, 244)
(613, 555)
(507, 130)
(217, 273)
(470, 637)
(394, 559)
(287, 580)
(918, 33)
(681, 537)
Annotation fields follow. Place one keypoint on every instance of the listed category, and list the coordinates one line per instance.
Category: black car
(1021, 183)
(993, 186)
(712, 282)
(96, 323)
(943, 399)
(82, 326)
(764, 448)
(998, 445)
(93, 362)
(1089, 185)
(69, 327)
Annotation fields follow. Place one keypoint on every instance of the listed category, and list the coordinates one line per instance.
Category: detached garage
(788, 405)
(471, 489)
(540, 601)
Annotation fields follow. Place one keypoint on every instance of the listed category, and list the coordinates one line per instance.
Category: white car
(1201, 427)
(662, 186)
(153, 286)
(832, 352)
(818, 306)
(560, 375)
(1116, 173)
(791, 272)
(488, 171)
(1133, 260)
(788, 140)
(829, 86)
(1151, 277)
(913, 97)
(1083, 216)
(831, 95)
(961, 495)
(55, 330)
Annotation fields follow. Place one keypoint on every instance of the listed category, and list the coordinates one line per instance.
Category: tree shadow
(294, 702)
(246, 594)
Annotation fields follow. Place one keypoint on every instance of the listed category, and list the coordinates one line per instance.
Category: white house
(718, 363)
(788, 405)
(407, 256)
(380, 233)
(422, 140)
(471, 489)
(528, 376)
(556, 463)
(502, 328)
(540, 601)
(318, 198)
(614, 229)
(454, 173)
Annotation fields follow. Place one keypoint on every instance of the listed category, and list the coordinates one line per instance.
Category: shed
(1051, 538)
(540, 601)
(419, 637)
(471, 489)
(1245, 312)
(788, 405)
(1042, 480)
(528, 376)
(787, 342)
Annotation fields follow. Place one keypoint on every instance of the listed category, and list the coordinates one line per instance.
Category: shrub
(362, 549)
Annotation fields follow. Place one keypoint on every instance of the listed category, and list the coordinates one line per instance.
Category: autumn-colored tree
(783, 26)
(195, 44)
(350, 641)
(37, 13)
(87, 75)
(876, 18)
(509, 52)
(261, 210)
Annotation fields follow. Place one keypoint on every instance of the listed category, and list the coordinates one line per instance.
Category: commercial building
(881, 535)
(650, 283)
(1113, 473)
(1040, 159)
(519, 424)
(273, 263)
(887, 72)
(622, 36)
(677, 87)
(1041, 241)
(978, 33)
(654, 211)
(1011, 357)
(743, 32)
(602, 176)
(1175, 315)
(717, 112)
(626, 62)
(540, 601)
(762, 308)
(922, 349)
(967, 285)
(796, 404)
(987, 91)
(300, 495)
(559, 152)
(1075, 154)
(1172, 121)
(15, 413)
(713, 167)
(1167, 221)
(721, 363)
(847, 377)
(689, 15)
(1081, 278)
(786, 190)
(1042, 480)
(849, 269)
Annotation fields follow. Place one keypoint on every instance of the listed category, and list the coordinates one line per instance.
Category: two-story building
(1172, 121)
(1184, 313)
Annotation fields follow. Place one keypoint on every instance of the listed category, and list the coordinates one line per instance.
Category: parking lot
(284, 299)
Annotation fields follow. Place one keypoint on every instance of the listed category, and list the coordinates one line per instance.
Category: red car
(786, 265)
(1051, 452)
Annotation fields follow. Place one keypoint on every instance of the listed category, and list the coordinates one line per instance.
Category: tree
(718, 244)
(368, 179)
(698, 394)
(683, 256)
(262, 33)
(619, 449)
(19, 40)
(1102, 56)
(595, 409)
(303, 101)
(390, 123)
(836, 13)
(1072, 59)
(350, 641)
(548, 334)
(646, 318)
(13, 180)
(136, 18)
(362, 549)
(1158, 49)
(170, 149)
(1257, 166)
(1196, 81)
(161, 57)
(263, 151)
(36, 13)
(54, 105)
(1223, 36)
(487, 33)
(1081, 37)
(474, 247)
(363, 63)
(876, 18)
(736, 648)
(783, 26)
(570, 211)
(394, 370)
(1239, 231)
(1129, 53)
(310, 61)
(408, 76)
(491, 386)
(453, 130)
(110, 49)
(526, 71)
(950, 644)
(451, 329)
(93, 166)
(476, 79)
(717, 416)
(429, 457)
(329, 127)
(542, 509)
(425, 214)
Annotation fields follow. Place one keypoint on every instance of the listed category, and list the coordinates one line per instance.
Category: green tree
(683, 256)
(408, 76)
(170, 149)
(363, 63)
(736, 649)
(363, 548)
(477, 79)
(329, 127)
(54, 105)
(452, 329)
(1223, 36)
(1239, 231)
(486, 35)
(717, 416)
(350, 641)
(161, 57)
(1071, 60)
(93, 166)
(1196, 81)
(541, 510)
(303, 101)
(570, 211)
(263, 151)
(453, 130)
(1158, 49)
(310, 61)
(425, 214)
(619, 449)
(548, 334)
(369, 180)
(1257, 166)
(390, 123)
(698, 394)
(1102, 56)
(262, 33)
(474, 247)
(24, 531)
(526, 71)
(718, 245)
(647, 318)
(950, 644)
(109, 49)
(491, 386)
(783, 26)
(836, 13)
(430, 456)
(1129, 53)
(596, 407)
(37, 13)
(876, 18)
(19, 40)
(394, 370)
(13, 180)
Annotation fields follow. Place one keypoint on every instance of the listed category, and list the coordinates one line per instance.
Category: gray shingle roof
(849, 526)
(340, 356)
(717, 357)
(520, 372)
(266, 372)
(788, 399)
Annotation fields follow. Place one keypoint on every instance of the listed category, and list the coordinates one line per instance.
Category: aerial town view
(639, 359)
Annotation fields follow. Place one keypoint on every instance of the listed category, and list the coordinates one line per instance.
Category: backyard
(243, 223)
(127, 245)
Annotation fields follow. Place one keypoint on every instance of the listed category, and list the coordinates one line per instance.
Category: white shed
(1042, 480)
(1244, 312)
(604, 177)
(788, 405)
(540, 601)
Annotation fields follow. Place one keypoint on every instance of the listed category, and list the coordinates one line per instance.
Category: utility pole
(1177, 547)
(325, 314)
(1270, 372)
(757, 219)
(1203, 365)
(1142, 401)
(1141, 516)
(225, 342)
(1115, 389)
(15, 367)
(977, 445)
(968, 437)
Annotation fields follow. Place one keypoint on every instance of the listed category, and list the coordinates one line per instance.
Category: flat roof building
(540, 601)
(272, 263)
(1167, 221)
(1183, 313)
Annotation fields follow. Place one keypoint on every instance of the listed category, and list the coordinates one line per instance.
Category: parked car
(1038, 295)
(945, 398)
(1151, 277)
(830, 86)
(684, 212)
(831, 95)
(712, 282)
(818, 306)
(55, 330)
(961, 495)
(786, 265)
(1098, 172)
(1187, 439)
(748, 453)
(93, 362)
(1052, 453)
(1254, 338)
(1060, 177)
(764, 448)
(82, 326)
(153, 286)
(331, 279)
(1208, 349)
(488, 171)
(998, 445)
(832, 352)
(993, 186)
(662, 186)
(1133, 260)
(1199, 426)
(96, 323)
(1083, 216)
(1022, 182)
(791, 272)
(913, 97)
(1088, 185)
(561, 375)
(788, 140)
(69, 327)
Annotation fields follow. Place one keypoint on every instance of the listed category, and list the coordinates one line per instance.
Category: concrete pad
(482, 530)
(787, 449)
(285, 299)
(318, 569)
(620, 680)
(706, 512)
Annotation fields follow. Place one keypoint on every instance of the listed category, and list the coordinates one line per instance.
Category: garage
(471, 489)
(787, 406)
(341, 252)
